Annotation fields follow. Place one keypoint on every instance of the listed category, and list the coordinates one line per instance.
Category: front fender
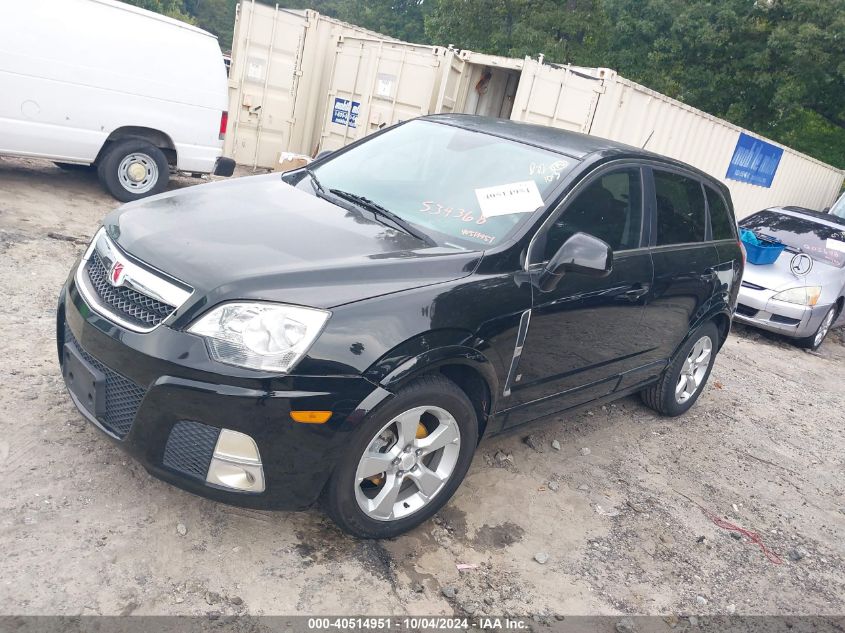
(431, 351)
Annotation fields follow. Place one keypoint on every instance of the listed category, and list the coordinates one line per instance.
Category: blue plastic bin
(761, 251)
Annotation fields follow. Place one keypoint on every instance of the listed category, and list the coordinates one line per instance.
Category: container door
(560, 97)
(452, 84)
(263, 83)
(377, 84)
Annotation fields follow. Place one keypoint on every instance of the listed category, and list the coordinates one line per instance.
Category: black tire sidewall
(339, 498)
(109, 163)
(670, 404)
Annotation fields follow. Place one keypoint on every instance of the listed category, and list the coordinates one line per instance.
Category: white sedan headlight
(264, 336)
(803, 295)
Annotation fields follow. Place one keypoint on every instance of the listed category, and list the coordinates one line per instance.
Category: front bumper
(756, 307)
(166, 400)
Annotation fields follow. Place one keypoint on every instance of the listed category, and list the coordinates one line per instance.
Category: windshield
(823, 243)
(463, 189)
(838, 209)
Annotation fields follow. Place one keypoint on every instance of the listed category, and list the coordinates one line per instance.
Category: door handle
(635, 293)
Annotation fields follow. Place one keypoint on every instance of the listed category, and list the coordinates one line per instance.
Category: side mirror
(324, 153)
(582, 254)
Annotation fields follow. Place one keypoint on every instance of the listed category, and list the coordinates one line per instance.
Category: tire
(76, 167)
(441, 470)
(662, 396)
(133, 169)
(815, 340)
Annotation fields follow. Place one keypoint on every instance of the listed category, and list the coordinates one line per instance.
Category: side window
(720, 219)
(680, 209)
(610, 208)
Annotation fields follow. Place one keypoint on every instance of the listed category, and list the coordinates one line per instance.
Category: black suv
(350, 331)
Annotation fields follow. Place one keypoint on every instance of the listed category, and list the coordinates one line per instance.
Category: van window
(720, 219)
(610, 208)
(680, 209)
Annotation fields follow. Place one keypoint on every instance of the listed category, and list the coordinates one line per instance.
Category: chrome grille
(133, 306)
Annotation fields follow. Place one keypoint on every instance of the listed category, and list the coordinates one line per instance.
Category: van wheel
(683, 381)
(133, 169)
(405, 461)
(815, 340)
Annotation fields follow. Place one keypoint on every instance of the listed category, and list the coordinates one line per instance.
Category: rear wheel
(815, 340)
(133, 169)
(405, 461)
(684, 379)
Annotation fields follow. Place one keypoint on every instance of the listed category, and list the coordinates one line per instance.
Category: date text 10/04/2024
(415, 623)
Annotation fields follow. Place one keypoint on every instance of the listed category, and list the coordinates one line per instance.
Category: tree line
(776, 67)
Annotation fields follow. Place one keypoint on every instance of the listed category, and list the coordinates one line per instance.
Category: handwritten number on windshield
(433, 208)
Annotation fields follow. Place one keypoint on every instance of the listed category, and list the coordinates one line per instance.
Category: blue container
(761, 251)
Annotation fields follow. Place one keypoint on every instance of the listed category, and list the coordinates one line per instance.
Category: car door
(583, 334)
(686, 263)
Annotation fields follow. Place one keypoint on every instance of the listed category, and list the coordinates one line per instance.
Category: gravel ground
(608, 511)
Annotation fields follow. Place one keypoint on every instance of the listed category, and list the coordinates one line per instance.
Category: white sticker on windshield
(835, 245)
(516, 197)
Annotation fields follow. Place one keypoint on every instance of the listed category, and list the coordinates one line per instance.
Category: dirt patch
(498, 536)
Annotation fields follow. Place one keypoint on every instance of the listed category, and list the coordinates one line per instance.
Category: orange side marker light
(311, 417)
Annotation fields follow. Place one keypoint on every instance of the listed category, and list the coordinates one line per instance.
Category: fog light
(236, 463)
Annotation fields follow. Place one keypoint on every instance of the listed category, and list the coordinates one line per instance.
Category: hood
(260, 238)
(778, 276)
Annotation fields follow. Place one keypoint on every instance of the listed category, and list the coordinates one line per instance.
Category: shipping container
(304, 83)
(602, 103)
(281, 68)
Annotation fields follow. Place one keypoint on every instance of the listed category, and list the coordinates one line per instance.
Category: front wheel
(815, 340)
(684, 379)
(132, 169)
(406, 460)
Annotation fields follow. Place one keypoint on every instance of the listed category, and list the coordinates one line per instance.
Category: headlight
(263, 336)
(805, 295)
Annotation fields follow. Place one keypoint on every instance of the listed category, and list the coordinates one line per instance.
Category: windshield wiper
(379, 210)
(315, 180)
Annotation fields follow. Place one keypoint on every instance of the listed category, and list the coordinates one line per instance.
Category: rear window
(823, 243)
(721, 221)
(680, 209)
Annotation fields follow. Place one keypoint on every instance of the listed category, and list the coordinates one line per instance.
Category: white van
(102, 84)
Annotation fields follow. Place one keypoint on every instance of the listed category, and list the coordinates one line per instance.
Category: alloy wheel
(824, 327)
(407, 463)
(694, 369)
